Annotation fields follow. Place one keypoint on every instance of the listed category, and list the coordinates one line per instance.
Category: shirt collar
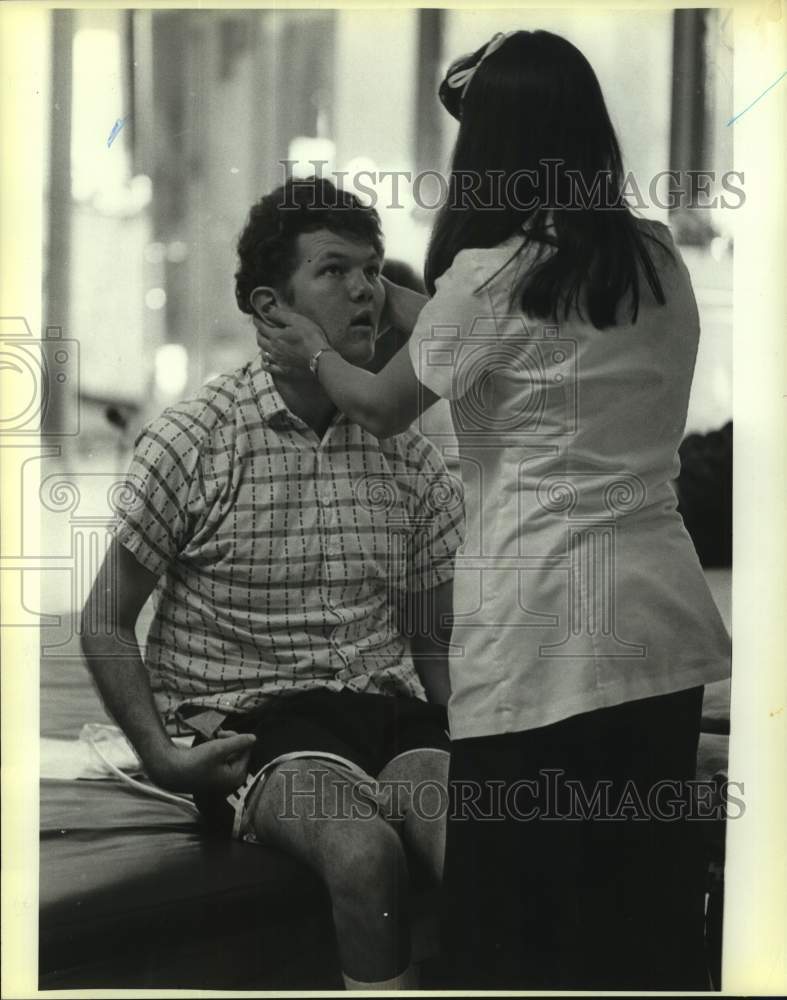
(273, 410)
(271, 405)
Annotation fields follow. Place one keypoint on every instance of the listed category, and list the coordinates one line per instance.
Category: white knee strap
(238, 798)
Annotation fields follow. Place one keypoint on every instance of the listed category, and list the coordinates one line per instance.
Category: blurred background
(166, 125)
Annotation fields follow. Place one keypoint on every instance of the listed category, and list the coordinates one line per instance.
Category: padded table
(133, 894)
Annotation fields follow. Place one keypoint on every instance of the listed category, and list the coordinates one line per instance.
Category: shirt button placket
(323, 500)
(329, 521)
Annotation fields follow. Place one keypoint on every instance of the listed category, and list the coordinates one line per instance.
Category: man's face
(336, 283)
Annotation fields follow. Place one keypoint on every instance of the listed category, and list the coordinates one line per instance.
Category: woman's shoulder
(653, 225)
(657, 232)
(662, 249)
(477, 266)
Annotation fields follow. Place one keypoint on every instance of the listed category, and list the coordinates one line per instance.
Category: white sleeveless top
(577, 587)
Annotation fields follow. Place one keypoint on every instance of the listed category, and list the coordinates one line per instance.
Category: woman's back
(568, 439)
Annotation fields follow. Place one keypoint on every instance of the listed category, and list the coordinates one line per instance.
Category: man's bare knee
(367, 863)
(310, 810)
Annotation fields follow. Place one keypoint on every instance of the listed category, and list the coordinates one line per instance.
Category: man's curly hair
(266, 247)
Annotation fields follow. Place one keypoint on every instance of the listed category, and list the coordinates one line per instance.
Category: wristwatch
(314, 360)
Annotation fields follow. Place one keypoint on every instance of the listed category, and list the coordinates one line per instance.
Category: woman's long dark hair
(535, 135)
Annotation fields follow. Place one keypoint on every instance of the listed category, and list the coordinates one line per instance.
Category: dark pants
(577, 903)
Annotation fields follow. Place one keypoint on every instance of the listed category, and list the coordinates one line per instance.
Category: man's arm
(427, 618)
(110, 647)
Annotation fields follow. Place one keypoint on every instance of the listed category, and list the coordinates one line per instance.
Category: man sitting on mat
(293, 553)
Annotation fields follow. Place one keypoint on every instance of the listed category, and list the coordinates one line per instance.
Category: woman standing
(564, 332)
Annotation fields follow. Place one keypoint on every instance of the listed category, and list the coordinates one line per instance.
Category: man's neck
(306, 399)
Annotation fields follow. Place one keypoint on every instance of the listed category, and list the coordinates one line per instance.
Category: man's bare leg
(424, 776)
(304, 808)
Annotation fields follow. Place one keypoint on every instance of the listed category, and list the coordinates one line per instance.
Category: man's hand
(220, 765)
(292, 345)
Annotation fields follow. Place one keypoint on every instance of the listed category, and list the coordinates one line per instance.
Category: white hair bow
(462, 77)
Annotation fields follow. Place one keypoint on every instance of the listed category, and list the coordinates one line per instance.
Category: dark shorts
(368, 730)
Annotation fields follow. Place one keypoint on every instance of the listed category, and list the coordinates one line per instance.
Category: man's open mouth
(363, 321)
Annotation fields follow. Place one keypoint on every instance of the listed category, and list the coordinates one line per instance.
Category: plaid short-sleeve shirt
(281, 554)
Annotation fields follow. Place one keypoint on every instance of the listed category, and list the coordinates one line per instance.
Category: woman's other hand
(402, 306)
(386, 317)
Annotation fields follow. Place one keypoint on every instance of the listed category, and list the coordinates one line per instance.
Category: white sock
(406, 980)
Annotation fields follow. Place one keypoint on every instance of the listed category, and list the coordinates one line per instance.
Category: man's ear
(262, 300)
